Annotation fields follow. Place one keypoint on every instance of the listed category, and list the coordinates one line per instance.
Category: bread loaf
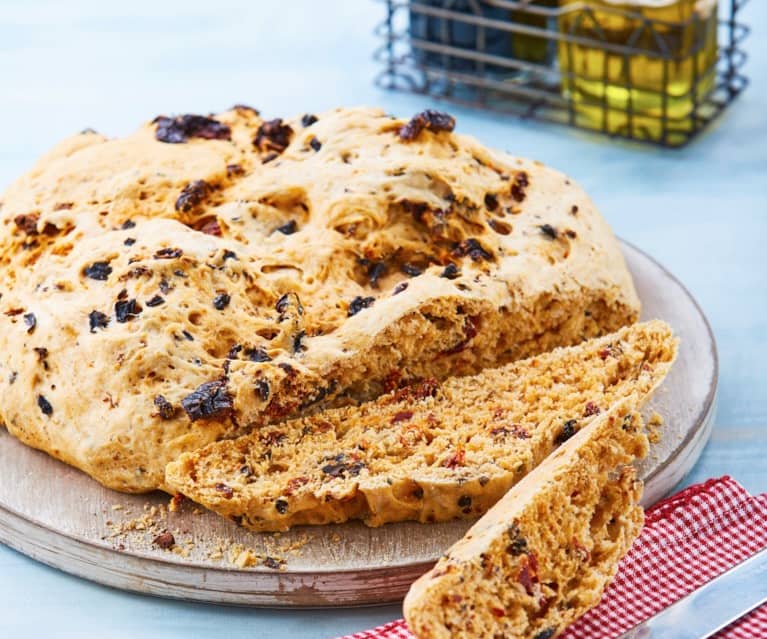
(205, 276)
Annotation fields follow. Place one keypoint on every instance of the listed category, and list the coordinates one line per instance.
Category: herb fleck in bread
(543, 555)
(205, 276)
(427, 452)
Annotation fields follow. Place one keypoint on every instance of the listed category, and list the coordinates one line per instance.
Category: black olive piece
(98, 271)
(288, 228)
(450, 272)
(568, 430)
(97, 319)
(263, 389)
(31, 322)
(44, 405)
(126, 310)
(359, 303)
(165, 409)
(207, 400)
(221, 301)
(549, 231)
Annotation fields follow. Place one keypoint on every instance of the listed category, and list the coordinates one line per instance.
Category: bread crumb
(654, 424)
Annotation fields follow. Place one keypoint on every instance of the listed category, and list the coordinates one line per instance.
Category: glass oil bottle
(638, 68)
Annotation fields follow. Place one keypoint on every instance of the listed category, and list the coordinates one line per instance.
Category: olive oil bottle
(541, 50)
(651, 87)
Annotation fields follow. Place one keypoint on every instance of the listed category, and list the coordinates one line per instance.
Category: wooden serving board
(59, 516)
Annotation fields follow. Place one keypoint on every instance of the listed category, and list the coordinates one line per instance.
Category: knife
(712, 606)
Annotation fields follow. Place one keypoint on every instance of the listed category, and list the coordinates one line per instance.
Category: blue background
(701, 211)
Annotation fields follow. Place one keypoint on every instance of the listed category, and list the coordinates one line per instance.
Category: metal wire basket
(657, 71)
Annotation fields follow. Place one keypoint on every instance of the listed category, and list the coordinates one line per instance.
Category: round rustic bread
(207, 275)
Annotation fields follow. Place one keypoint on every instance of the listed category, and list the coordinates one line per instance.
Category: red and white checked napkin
(688, 539)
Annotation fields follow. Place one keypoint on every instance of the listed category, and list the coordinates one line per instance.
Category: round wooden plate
(59, 516)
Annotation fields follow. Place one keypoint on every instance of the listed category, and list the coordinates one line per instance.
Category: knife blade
(712, 606)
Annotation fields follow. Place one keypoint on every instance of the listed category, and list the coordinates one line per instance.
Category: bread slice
(205, 276)
(543, 555)
(428, 452)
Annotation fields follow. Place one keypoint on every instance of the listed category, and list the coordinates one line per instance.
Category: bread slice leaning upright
(427, 452)
(543, 555)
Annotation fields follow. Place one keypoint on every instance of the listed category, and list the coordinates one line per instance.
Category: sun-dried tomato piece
(528, 573)
(402, 416)
(521, 182)
(511, 429)
(430, 119)
(208, 400)
(591, 409)
(414, 392)
(212, 227)
(178, 129)
(455, 459)
(470, 330)
(295, 483)
(273, 136)
(192, 195)
(165, 540)
(27, 223)
(225, 490)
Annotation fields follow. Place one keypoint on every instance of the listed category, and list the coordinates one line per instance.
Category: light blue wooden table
(701, 211)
